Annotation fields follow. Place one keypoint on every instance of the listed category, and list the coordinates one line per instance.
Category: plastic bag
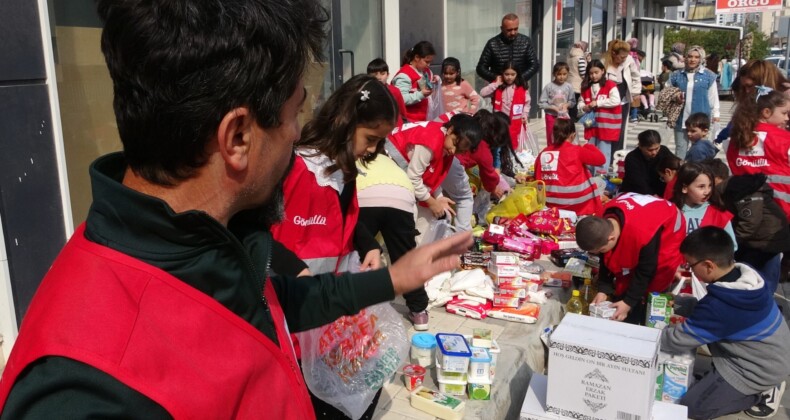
(346, 362)
(435, 101)
(527, 141)
(588, 119)
(525, 199)
(438, 229)
(698, 289)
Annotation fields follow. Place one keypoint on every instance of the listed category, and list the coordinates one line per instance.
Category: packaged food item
(454, 352)
(523, 246)
(479, 364)
(494, 352)
(505, 301)
(658, 312)
(527, 313)
(468, 308)
(413, 376)
(479, 390)
(557, 279)
(494, 234)
(504, 258)
(510, 290)
(498, 271)
(437, 404)
(576, 305)
(560, 257)
(481, 337)
(451, 383)
(423, 349)
(678, 375)
(471, 260)
(602, 310)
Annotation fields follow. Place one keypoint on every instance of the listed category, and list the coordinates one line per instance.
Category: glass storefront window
(599, 13)
(473, 24)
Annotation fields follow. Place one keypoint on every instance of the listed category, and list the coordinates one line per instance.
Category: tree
(718, 41)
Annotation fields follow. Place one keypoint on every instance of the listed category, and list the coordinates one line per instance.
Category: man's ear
(234, 137)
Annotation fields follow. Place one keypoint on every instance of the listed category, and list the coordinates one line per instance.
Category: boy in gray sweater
(743, 328)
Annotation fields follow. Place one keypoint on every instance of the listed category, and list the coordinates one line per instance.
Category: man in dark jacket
(505, 47)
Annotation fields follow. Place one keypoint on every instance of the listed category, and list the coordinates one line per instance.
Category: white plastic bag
(346, 362)
(435, 101)
(527, 141)
(437, 229)
(698, 289)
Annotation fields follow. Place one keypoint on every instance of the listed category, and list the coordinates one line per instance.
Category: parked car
(779, 61)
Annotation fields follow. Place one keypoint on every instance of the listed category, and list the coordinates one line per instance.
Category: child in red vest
(601, 97)
(562, 165)
(511, 97)
(696, 196)
(426, 151)
(415, 80)
(379, 69)
(320, 202)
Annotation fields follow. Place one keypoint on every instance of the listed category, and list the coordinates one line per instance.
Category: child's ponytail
(420, 49)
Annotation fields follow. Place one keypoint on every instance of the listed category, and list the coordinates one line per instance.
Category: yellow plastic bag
(524, 199)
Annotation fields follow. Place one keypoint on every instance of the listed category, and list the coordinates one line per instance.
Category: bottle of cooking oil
(576, 305)
(588, 291)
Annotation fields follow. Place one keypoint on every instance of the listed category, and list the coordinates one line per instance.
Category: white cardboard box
(601, 369)
(534, 407)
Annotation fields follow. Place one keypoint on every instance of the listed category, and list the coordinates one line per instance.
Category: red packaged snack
(468, 308)
(548, 221)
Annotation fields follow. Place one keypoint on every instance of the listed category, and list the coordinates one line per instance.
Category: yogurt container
(479, 390)
(423, 349)
(413, 376)
(451, 383)
(479, 364)
(454, 352)
(494, 353)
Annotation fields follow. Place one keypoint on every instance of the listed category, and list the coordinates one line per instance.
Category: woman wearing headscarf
(698, 93)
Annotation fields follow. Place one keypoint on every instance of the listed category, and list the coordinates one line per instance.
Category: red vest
(159, 336)
(569, 184)
(430, 135)
(314, 227)
(416, 111)
(768, 155)
(516, 112)
(715, 216)
(401, 105)
(607, 120)
(669, 190)
(644, 215)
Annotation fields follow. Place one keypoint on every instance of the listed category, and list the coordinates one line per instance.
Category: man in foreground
(160, 305)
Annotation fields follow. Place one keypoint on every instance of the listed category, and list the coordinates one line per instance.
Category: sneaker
(768, 404)
(634, 120)
(419, 320)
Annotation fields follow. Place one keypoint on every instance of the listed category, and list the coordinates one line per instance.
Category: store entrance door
(355, 38)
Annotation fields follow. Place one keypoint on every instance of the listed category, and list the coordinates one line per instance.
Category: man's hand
(372, 260)
(498, 192)
(599, 297)
(621, 312)
(412, 270)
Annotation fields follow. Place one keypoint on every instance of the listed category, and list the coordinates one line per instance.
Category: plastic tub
(451, 383)
(494, 352)
(479, 364)
(413, 376)
(423, 349)
(479, 390)
(454, 352)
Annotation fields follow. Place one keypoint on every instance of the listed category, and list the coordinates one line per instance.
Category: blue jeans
(634, 113)
(456, 187)
(606, 148)
(681, 143)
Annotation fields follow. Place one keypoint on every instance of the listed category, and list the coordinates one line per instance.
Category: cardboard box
(534, 407)
(601, 369)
